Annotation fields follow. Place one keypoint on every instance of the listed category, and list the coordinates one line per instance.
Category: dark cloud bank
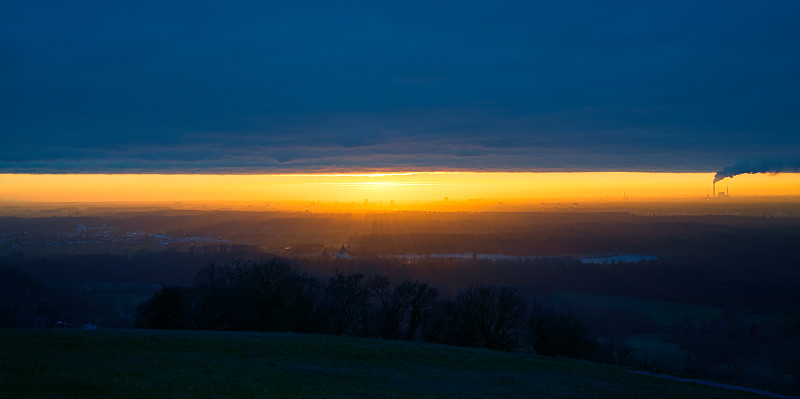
(246, 87)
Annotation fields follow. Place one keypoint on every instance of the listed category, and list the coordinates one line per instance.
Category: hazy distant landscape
(659, 287)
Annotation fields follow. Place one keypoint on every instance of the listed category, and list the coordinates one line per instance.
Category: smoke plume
(756, 167)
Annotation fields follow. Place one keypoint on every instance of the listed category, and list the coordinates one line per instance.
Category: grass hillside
(177, 364)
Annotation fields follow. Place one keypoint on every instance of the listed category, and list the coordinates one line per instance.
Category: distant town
(99, 235)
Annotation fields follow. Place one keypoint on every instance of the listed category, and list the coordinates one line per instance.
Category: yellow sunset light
(412, 186)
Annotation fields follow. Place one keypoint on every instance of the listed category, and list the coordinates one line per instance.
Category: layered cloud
(173, 87)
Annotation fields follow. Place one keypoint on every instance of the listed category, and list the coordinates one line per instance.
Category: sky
(253, 87)
(462, 189)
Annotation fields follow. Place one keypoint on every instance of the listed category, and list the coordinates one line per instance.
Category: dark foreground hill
(178, 364)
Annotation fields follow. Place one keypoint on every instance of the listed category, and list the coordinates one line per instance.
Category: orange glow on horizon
(401, 186)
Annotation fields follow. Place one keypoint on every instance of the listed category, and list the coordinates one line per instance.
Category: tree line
(275, 295)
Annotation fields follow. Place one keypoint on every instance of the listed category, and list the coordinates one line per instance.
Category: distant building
(342, 253)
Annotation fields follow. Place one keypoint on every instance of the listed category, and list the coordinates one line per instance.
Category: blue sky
(257, 87)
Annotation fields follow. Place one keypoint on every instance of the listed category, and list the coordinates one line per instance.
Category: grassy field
(172, 364)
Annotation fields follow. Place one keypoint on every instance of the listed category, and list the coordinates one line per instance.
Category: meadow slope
(180, 364)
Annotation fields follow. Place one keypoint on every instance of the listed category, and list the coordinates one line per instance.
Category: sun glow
(388, 187)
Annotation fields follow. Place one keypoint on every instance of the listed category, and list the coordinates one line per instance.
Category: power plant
(721, 194)
(750, 168)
